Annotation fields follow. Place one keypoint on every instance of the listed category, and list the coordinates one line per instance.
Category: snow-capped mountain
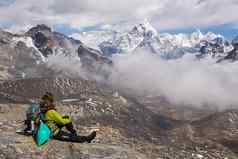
(217, 47)
(233, 54)
(56, 44)
(94, 38)
(29, 55)
(129, 41)
(49, 42)
(19, 57)
(168, 46)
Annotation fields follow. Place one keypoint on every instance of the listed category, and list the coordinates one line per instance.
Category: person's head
(48, 97)
(47, 102)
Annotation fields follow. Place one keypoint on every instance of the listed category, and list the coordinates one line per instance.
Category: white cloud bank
(186, 81)
(166, 14)
(183, 81)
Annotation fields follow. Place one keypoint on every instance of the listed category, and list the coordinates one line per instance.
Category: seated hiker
(56, 122)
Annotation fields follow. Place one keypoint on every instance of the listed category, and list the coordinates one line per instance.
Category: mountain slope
(19, 57)
(54, 43)
(30, 55)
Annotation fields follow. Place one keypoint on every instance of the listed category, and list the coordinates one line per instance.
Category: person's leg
(63, 136)
(73, 137)
(70, 128)
(88, 138)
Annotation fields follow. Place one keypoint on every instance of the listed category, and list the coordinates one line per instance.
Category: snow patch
(149, 28)
(29, 43)
(27, 40)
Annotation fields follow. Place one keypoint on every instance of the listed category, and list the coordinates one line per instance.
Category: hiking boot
(81, 139)
(90, 137)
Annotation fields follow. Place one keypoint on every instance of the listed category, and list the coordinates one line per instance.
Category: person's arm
(59, 119)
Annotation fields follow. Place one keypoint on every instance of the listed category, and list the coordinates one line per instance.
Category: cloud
(185, 81)
(194, 13)
(25, 13)
(65, 66)
(165, 14)
(74, 13)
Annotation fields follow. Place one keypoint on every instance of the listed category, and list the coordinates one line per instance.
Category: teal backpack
(32, 115)
(33, 112)
(43, 133)
(36, 126)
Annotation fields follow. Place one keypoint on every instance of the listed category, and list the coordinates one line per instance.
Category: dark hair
(48, 96)
(44, 108)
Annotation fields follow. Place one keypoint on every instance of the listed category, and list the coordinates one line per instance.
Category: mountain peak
(148, 26)
(39, 27)
(145, 28)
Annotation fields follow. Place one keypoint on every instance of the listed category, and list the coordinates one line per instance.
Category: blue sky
(6, 2)
(66, 29)
(173, 16)
(228, 30)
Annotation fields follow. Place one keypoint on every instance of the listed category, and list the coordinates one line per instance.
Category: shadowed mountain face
(27, 55)
(233, 55)
(50, 42)
(19, 59)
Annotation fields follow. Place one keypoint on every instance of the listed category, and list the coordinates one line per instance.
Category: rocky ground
(127, 128)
